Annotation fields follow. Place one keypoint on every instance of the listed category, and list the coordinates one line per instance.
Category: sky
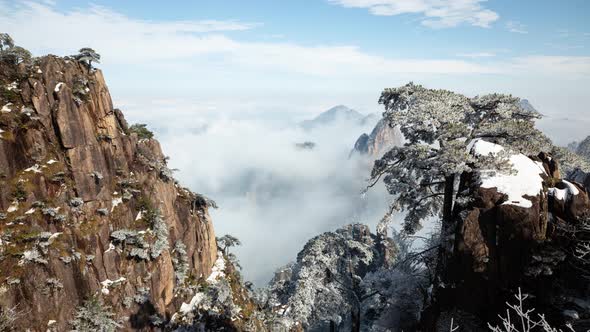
(224, 84)
(304, 56)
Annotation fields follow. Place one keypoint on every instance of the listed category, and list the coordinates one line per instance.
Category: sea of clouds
(271, 194)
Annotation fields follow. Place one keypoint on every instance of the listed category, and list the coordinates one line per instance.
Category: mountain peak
(338, 113)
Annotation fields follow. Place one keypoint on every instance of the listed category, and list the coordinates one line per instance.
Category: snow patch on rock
(35, 169)
(58, 86)
(564, 194)
(13, 207)
(115, 202)
(525, 180)
(109, 283)
(218, 270)
(6, 109)
(186, 308)
(12, 86)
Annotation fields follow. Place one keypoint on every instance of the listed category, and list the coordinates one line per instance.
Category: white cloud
(113, 34)
(477, 55)
(271, 195)
(436, 13)
(564, 66)
(516, 27)
(201, 47)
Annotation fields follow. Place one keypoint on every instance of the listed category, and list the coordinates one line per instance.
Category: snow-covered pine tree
(5, 41)
(439, 127)
(88, 55)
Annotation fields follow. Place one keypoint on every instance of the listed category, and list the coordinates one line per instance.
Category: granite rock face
(498, 245)
(87, 209)
(382, 139)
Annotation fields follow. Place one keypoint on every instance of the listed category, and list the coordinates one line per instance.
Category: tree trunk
(430, 313)
(448, 200)
(355, 319)
(332, 326)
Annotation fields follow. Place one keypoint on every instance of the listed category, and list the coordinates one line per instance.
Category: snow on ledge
(217, 272)
(564, 194)
(108, 283)
(526, 179)
(115, 202)
(218, 269)
(58, 86)
(6, 109)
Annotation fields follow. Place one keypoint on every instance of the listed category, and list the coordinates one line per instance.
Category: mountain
(338, 114)
(526, 105)
(94, 230)
(382, 139)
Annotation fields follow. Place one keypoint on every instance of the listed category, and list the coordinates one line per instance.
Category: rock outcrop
(581, 177)
(382, 139)
(515, 230)
(88, 210)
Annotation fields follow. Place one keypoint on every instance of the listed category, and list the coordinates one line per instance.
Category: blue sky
(548, 23)
(299, 57)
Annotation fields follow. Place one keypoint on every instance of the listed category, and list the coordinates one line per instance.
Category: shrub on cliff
(141, 130)
(87, 55)
(11, 53)
(7, 318)
(94, 316)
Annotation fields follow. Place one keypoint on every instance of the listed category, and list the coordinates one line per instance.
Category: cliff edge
(89, 211)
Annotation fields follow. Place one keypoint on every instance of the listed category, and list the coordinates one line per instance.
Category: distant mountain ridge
(336, 114)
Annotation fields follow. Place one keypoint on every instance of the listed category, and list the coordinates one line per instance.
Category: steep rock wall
(71, 174)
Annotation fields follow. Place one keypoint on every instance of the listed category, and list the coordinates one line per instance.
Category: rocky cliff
(382, 139)
(526, 229)
(89, 211)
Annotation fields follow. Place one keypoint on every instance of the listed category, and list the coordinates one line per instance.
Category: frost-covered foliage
(324, 285)
(141, 130)
(520, 319)
(439, 127)
(212, 305)
(11, 53)
(399, 290)
(7, 318)
(570, 161)
(145, 245)
(155, 163)
(160, 229)
(180, 262)
(227, 241)
(94, 316)
(80, 90)
(583, 148)
(5, 41)
(200, 200)
(87, 55)
(53, 214)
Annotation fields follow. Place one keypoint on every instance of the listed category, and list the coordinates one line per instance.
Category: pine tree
(439, 127)
(6, 41)
(88, 55)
